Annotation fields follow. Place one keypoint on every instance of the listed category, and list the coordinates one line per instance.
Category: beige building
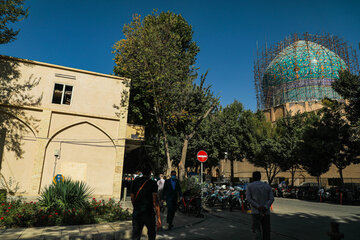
(274, 113)
(243, 171)
(75, 130)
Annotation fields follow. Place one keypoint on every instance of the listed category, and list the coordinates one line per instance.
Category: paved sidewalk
(108, 231)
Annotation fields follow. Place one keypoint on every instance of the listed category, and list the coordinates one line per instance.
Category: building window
(62, 94)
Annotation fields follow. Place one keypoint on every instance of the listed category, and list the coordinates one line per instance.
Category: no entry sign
(202, 156)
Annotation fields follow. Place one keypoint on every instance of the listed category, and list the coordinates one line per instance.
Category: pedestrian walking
(260, 197)
(160, 184)
(145, 203)
(171, 194)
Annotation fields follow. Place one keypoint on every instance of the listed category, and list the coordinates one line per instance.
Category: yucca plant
(65, 195)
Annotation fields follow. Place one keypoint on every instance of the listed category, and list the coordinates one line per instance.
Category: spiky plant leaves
(65, 195)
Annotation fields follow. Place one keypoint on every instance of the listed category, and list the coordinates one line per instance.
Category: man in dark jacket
(145, 200)
(171, 194)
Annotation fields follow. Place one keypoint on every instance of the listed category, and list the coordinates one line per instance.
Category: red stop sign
(202, 156)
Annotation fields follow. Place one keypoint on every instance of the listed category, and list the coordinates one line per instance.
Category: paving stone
(32, 233)
(13, 233)
(52, 232)
(70, 231)
(88, 229)
(104, 228)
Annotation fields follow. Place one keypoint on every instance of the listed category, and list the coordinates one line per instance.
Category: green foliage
(192, 186)
(11, 11)
(109, 211)
(348, 86)
(266, 148)
(208, 139)
(65, 195)
(290, 131)
(346, 147)
(31, 214)
(316, 149)
(158, 55)
(3, 194)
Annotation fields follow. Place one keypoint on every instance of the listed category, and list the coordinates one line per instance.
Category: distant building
(296, 74)
(293, 76)
(76, 130)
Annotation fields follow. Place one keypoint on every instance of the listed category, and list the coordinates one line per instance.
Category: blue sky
(81, 33)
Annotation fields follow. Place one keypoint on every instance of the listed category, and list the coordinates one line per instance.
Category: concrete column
(41, 141)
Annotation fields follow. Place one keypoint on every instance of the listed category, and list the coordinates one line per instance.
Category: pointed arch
(68, 126)
(82, 166)
(22, 121)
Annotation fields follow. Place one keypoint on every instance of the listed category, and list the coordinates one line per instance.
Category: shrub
(66, 195)
(109, 211)
(61, 204)
(3, 193)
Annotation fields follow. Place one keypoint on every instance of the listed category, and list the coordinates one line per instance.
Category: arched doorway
(87, 154)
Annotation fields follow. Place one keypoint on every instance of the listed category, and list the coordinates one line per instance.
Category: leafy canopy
(158, 55)
(11, 11)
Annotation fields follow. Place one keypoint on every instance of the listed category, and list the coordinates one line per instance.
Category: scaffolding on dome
(301, 68)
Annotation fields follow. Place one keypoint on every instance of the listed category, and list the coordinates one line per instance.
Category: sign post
(202, 157)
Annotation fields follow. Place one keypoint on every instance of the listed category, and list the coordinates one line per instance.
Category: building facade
(75, 130)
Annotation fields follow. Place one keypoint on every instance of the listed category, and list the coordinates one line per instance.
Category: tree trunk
(183, 159)
(318, 180)
(232, 172)
(293, 171)
(268, 173)
(166, 143)
(341, 175)
(167, 152)
(187, 139)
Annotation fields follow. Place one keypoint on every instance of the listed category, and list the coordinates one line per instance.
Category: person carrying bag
(144, 199)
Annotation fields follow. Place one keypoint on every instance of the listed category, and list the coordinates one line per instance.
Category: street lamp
(57, 156)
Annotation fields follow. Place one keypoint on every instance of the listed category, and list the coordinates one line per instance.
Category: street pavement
(290, 219)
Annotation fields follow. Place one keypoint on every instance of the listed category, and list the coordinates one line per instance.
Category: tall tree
(158, 55)
(269, 157)
(11, 11)
(199, 103)
(290, 129)
(206, 139)
(265, 148)
(348, 86)
(315, 149)
(346, 148)
(235, 133)
(348, 115)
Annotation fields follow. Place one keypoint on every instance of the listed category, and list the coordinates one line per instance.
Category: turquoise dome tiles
(303, 71)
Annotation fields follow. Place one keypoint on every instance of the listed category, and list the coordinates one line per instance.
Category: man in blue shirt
(171, 193)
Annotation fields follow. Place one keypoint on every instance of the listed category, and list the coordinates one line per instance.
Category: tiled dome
(303, 71)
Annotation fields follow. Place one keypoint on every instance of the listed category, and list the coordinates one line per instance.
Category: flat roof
(61, 67)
